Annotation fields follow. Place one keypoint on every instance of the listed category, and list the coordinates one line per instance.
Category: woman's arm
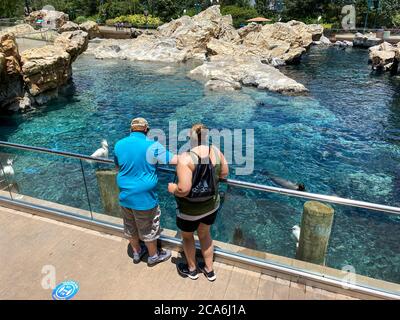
(182, 188)
(224, 166)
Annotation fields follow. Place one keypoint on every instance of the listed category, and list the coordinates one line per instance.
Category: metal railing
(223, 255)
(231, 182)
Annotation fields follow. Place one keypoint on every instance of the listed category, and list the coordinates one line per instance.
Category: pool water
(343, 139)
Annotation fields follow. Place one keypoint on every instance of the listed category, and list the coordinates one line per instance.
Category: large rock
(51, 18)
(19, 29)
(384, 57)
(45, 68)
(48, 68)
(227, 73)
(251, 27)
(69, 26)
(11, 84)
(366, 40)
(74, 42)
(92, 28)
(280, 40)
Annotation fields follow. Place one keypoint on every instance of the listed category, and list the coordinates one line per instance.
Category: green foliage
(11, 8)
(239, 14)
(396, 20)
(304, 10)
(137, 20)
(80, 19)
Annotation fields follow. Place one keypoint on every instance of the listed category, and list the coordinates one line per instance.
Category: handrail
(231, 182)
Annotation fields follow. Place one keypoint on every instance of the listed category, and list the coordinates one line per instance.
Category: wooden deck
(101, 266)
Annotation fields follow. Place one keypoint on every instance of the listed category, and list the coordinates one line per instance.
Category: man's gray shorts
(144, 224)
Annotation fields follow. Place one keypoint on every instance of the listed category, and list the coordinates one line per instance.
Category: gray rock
(366, 41)
(246, 71)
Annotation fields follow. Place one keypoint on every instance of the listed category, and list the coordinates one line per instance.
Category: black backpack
(204, 184)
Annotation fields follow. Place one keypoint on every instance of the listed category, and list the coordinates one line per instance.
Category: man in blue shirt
(136, 158)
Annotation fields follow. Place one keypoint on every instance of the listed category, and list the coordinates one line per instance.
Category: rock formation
(91, 28)
(210, 34)
(230, 73)
(40, 71)
(69, 26)
(366, 40)
(385, 57)
(51, 18)
(47, 68)
(11, 84)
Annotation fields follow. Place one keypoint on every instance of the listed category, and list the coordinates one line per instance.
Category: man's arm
(116, 163)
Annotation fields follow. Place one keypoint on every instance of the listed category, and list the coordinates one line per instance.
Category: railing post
(316, 225)
(109, 192)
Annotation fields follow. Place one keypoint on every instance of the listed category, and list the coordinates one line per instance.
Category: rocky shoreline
(231, 58)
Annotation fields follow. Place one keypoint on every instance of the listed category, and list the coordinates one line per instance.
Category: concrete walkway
(100, 264)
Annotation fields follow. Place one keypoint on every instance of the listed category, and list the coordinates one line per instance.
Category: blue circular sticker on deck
(65, 290)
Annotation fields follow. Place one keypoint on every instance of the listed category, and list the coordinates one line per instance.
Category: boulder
(366, 40)
(92, 28)
(136, 33)
(69, 26)
(279, 40)
(51, 18)
(45, 68)
(384, 57)
(19, 29)
(227, 72)
(323, 41)
(11, 84)
(251, 27)
(74, 42)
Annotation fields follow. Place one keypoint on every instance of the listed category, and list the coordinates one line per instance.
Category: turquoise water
(343, 138)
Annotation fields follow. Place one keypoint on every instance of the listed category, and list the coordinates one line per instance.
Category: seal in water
(283, 182)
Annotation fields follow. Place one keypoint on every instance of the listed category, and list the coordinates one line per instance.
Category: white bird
(8, 171)
(319, 18)
(296, 234)
(101, 152)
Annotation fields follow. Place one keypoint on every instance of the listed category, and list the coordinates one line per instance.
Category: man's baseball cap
(139, 124)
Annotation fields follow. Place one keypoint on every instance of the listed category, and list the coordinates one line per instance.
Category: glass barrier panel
(7, 179)
(363, 245)
(102, 191)
(49, 181)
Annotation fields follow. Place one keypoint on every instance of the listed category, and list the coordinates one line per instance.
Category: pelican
(101, 152)
(8, 171)
(296, 234)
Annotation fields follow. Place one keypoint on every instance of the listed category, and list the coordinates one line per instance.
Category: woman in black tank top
(197, 198)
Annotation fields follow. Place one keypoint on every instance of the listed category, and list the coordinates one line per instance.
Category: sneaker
(209, 275)
(137, 257)
(163, 255)
(184, 271)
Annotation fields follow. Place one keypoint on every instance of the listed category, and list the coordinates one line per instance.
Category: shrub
(137, 20)
(396, 20)
(239, 14)
(80, 19)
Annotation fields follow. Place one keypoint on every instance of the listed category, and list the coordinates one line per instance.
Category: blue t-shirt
(137, 157)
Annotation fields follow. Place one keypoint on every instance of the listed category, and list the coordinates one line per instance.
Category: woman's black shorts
(192, 226)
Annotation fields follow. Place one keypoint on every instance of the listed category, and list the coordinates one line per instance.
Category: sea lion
(284, 183)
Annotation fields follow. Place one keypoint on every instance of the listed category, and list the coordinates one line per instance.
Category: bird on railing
(296, 234)
(8, 171)
(101, 152)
